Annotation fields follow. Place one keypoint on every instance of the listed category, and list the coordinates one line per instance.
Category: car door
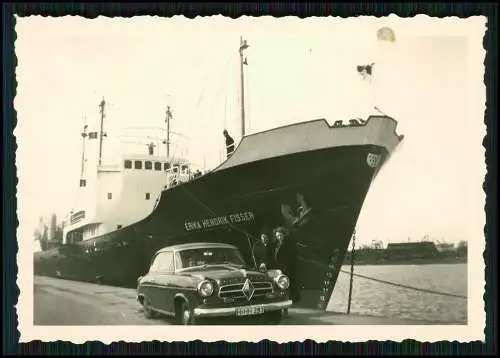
(164, 292)
(149, 281)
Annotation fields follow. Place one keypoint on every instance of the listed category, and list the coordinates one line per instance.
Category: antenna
(168, 118)
(378, 110)
(243, 61)
(84, 137)
(101, 133)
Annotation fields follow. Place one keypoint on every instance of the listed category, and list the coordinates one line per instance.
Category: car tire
(148, 312)
(183, 315)
(273, 317)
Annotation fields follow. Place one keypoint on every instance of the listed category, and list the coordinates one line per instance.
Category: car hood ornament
(248, 289)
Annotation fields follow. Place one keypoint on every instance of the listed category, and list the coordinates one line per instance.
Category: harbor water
(380, 299)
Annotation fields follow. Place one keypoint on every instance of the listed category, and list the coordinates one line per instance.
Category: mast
(101, 133)
(84, 137)
(243, 46)
(168, 117)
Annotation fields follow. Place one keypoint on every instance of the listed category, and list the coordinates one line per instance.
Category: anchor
(299, 217)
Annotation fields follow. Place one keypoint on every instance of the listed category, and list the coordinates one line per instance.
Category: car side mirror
(262, 267)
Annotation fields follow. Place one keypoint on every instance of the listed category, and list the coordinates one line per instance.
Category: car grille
(238, 292)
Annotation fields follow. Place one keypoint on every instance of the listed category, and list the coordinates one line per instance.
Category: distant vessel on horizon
(410, 253)
(309, 177)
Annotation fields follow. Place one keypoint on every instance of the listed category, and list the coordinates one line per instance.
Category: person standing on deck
(229, 143)
(262, 249)
(285, 256)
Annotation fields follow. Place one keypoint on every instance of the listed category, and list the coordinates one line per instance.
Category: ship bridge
(120, 194)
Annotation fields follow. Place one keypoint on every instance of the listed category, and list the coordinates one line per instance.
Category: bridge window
(157, 166)
(166, 166)
(176, 168)
(148, 165)
(127, 164)
(80, 215)
(148, 196)
(110, 196)
(184, 169)
(138, 164)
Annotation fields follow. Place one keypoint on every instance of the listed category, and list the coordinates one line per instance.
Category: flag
(168, 113)
(366, 71)
(243, 45)
(93, 135)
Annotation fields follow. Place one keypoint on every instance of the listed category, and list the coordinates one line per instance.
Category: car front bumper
(231, 311)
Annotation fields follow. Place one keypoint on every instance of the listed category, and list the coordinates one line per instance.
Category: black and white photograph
(244, 175)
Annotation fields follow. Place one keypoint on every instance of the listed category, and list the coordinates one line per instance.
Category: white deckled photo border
(422, 25)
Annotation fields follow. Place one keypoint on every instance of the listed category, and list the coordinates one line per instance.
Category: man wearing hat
(229, 143)
(262, 249)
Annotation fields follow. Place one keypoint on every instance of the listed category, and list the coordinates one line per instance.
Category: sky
(429, 80)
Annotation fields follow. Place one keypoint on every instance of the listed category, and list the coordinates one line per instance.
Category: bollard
(352, 272)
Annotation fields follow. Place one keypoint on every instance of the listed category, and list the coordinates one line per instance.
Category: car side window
(155, 264)
(166, 263)
(178, 261)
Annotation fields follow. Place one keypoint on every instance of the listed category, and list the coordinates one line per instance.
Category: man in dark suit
(262, 249)
(229, 143)
(285, 253)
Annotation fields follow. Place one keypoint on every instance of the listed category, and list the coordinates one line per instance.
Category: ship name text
(236, 218)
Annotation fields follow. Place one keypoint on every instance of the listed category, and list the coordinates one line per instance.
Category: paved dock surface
(63, 302)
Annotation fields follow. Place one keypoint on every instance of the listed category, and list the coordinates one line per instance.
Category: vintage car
(201, 280)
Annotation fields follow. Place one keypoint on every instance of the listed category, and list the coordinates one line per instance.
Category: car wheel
(183, 315)
(148, 312)
(273, 317)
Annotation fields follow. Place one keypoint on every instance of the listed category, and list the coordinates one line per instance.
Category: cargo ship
(310, 177)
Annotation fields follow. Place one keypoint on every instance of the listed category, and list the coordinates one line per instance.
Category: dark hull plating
(333, 183)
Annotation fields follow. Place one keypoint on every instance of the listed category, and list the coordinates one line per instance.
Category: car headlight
(282, 281)
(205, 288)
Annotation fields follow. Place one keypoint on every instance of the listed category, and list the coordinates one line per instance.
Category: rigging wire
(247, 99)
(213, 212)
(250, 236)
(225, 104)
(406, 286)
(388, 282)
(221, 87)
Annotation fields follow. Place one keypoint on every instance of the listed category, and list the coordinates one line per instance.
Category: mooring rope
(391, 283)
(405, 286)
(249, 235)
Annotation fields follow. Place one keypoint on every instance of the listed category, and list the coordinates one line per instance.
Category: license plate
(249, 311)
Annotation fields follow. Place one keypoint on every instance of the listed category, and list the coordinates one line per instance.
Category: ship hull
(232, 206)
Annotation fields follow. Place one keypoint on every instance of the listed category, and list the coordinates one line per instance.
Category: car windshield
(210, 256)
